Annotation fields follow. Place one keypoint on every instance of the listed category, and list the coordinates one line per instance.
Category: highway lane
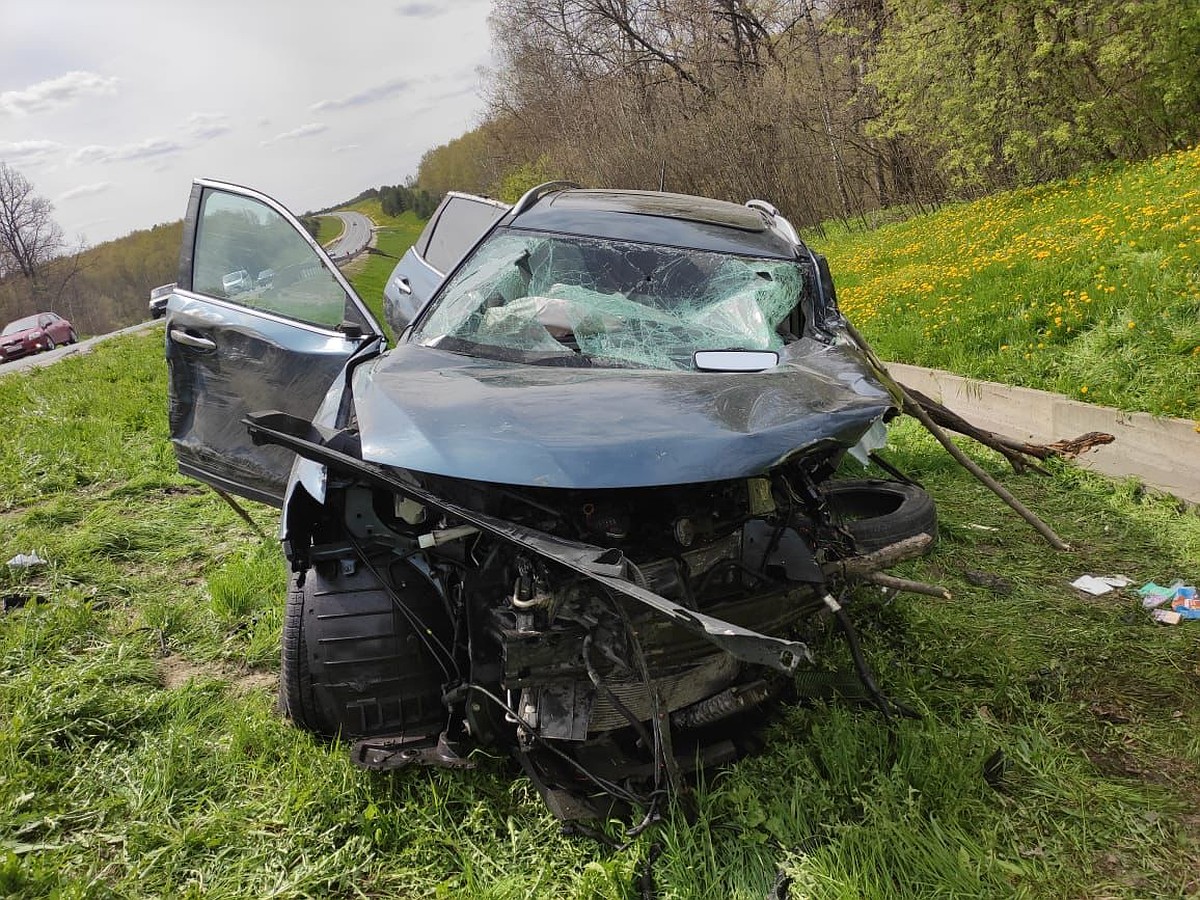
(355, 236)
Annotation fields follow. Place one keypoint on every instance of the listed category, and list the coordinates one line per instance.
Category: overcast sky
(111, 107)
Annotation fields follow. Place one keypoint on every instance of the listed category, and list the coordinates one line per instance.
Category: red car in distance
(33, 334)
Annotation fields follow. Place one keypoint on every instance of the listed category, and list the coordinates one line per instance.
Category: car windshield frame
(563, 299)
(18, 325)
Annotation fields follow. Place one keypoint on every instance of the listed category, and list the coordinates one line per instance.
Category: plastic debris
(26, 561)
(1170, 605)
(1155, 594)
(1100, 585)
(1186, 603)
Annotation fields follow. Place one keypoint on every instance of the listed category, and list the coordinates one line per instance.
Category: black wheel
(295, 684)
(878, 513)
(50, 344)
(72, 337)
(353, 662)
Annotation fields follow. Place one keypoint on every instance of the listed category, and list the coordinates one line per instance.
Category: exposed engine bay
(612, 640)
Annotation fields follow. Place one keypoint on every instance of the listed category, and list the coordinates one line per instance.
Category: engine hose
(594, 677)
(860, 662)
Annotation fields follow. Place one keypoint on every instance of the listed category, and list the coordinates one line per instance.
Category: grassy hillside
(372, 208)
(141, 754)
(329, 228)
(1089, 287)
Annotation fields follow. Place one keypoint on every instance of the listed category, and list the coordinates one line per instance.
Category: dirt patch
(176, 671)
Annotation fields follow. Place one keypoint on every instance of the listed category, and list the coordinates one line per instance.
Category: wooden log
(908, 586)
(860, 566)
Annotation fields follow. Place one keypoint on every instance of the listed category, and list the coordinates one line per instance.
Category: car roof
(656, 217)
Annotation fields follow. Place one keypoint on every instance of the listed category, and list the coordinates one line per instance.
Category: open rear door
(454, 228)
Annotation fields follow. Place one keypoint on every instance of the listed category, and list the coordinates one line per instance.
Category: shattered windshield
(567, 300)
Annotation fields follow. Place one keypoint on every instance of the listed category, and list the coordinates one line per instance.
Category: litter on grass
(1099, 585)
(1155, 594)
(26, 561)
(1180, 602)
(1186, 603)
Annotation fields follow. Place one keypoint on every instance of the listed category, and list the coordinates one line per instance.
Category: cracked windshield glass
(564, 300)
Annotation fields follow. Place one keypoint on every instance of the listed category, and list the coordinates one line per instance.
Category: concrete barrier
(1164, 453)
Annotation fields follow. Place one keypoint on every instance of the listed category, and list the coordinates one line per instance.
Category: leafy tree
(311, 224)
(1009, 93)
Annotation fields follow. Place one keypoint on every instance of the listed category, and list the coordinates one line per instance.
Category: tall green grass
(139, 758)
(1089, 287)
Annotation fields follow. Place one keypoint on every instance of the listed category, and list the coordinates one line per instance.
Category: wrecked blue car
(579, 511)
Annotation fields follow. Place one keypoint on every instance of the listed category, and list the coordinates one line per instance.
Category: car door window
(461, 222)
(238, 236)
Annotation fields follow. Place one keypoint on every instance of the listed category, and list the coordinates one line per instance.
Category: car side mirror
(352, 330)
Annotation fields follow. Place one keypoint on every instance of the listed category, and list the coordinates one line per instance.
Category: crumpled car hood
(447, 414)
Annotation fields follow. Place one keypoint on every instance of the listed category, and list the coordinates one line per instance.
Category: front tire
(295, 683)
(50, 344)
(72, 337)
(352, 662)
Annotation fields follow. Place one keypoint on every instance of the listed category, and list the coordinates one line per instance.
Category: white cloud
(206, 126)
(55, 92)
(296, 133)
(151, 147)
(420, 10)
(149, 123)
(28, 153)
(378, 92)
(85, 190)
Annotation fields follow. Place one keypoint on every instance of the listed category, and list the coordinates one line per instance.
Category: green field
(141, 754)
(373, 210)
(1088, 287)
(329, 228)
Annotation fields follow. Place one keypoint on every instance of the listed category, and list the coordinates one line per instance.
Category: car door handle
(179, 336)
(402, 284)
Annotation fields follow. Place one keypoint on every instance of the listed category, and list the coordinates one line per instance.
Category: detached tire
(877, 513)
(351, 662)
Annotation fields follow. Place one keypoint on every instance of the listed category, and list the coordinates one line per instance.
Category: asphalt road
(53, 356)
(355, 237)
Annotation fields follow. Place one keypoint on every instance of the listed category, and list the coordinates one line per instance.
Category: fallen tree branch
(908, 586)
(1016, 452)
(1082, 443)
(861, 566)
(915, 409)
